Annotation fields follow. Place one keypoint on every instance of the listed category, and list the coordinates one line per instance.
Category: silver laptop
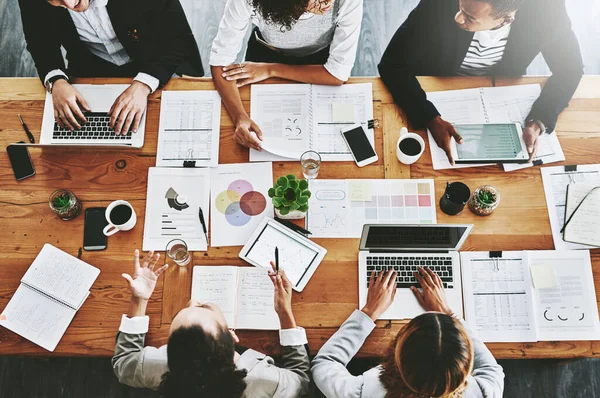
(403, 248)
(96, 132)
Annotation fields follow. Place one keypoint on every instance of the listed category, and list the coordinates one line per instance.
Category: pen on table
(201, 217)
(26, 129)
(276, 260)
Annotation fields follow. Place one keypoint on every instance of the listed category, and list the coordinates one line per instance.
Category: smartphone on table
(20, 161)
(361, 148)
(93, 229)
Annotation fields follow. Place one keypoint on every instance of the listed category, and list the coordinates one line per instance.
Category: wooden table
(26, 222)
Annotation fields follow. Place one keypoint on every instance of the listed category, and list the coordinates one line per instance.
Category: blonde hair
(431, 356)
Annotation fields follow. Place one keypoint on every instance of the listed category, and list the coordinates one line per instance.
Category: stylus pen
(276, 260)
(201, 217)
(26, 129)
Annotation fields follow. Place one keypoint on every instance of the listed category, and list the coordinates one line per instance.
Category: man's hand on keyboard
(381, 294)
(128, 109)
(68, 105)
(433, 297)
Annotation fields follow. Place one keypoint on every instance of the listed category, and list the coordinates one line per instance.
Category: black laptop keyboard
(96, 128)
(407, 266)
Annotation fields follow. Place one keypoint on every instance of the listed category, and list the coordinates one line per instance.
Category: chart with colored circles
(239, 201)
(340, 208)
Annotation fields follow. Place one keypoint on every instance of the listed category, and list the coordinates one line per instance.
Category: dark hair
(201, 365)
(431, 356)
(280, 12)
(504, 7)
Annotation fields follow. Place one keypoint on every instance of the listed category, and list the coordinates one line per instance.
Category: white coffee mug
(404, 158)
(112, 228)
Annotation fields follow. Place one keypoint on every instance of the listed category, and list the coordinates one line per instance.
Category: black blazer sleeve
(563, 56)
(42, 34)
(396, 66)
(173, 44)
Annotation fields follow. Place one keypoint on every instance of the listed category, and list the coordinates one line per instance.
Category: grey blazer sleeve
(487, 375)
(294, 375)
(329, 366)
(136, 365)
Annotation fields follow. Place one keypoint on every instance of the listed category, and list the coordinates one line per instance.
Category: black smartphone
(20, 161)
(93, 229)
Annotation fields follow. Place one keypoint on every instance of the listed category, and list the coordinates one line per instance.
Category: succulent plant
(289, 194)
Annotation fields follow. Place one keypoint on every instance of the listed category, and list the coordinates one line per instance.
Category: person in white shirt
(308, 41)
(434, 355)
(201, 358)
(148, 40)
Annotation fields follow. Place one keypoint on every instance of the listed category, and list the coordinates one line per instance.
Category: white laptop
(96, 132)
(404, 248)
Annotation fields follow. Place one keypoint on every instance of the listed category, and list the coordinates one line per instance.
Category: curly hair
(201, 365)
(431, 356)
(280, 12)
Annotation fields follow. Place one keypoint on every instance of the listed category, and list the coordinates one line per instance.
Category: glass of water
(177, 250)
(311, 163)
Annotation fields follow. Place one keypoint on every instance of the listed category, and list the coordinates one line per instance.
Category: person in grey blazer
(200, 358)
(435, 355)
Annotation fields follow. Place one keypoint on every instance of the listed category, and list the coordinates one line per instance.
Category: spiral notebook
(295, 118)
(51, 292)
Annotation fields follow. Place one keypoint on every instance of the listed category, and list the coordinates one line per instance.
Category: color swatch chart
(340, 208)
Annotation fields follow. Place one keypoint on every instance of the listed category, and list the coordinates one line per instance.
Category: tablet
(490, 143)
(298, 256)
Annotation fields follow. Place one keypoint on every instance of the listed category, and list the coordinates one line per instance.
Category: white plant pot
(292, 215)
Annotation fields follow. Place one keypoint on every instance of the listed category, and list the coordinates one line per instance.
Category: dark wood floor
(93, 378)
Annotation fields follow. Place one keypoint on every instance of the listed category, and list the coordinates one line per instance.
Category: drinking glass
(177, 250)
(65, 204)
(311, 163)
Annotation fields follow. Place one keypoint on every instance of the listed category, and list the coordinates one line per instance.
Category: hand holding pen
(283, 297)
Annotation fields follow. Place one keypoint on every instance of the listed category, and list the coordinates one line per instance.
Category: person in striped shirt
(482, 38)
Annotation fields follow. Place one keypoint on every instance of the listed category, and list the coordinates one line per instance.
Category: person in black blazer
(149, 40)
(438, 39)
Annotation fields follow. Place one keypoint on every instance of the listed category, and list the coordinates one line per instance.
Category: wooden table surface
(27, 223)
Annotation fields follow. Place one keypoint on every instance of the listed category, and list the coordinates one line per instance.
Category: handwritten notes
(360, 190)
(584, 226)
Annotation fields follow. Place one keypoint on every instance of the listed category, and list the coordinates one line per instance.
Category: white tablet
(298, 256)
(490, 143)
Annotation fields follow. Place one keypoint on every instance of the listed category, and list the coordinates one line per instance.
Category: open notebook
(244, 294)
(51, 291)
(584, 218)
(295, 118)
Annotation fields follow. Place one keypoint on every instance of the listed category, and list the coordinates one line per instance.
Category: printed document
(244, 294)
(508, 299)
(189, 129)
(295, 118)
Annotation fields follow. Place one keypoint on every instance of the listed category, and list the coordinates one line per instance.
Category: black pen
(276, 260)
(201, 217)
(26, 129)
(293, 226)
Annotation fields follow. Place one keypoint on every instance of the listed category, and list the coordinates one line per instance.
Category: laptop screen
(414, 237)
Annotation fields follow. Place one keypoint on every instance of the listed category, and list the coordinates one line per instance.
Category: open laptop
(405, 247)
(96, 132)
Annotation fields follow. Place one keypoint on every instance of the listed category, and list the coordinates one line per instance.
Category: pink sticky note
(2, 318)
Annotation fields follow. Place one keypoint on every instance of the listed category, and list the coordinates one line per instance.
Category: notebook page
(37, 318)
(216, 284)
(584, 226)
(61, 276)
(255, 300)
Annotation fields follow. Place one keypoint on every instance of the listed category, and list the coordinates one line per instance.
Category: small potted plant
(484, 201)
(65, 204)
(290, 197)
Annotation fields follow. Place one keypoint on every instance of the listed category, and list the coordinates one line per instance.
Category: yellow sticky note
(343, 113)
(360, 190)
(543, 276)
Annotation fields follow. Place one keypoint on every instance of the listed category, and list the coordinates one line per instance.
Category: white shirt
(95, 29)
(338, 28)
(486, 50)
